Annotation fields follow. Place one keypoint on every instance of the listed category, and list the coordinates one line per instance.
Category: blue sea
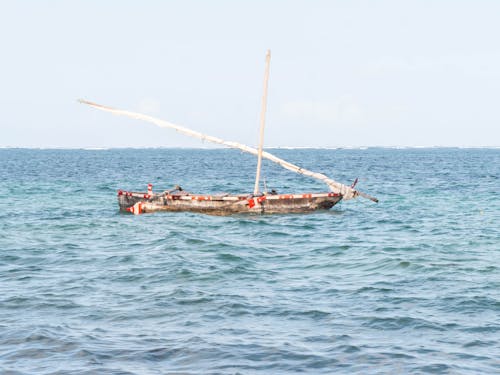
(410, 285)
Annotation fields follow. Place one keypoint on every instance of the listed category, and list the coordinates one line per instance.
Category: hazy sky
(343, 73)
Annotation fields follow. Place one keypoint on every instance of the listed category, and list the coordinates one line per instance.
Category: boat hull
(137, 202)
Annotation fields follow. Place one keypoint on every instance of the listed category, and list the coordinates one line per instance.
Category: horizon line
(92, 148)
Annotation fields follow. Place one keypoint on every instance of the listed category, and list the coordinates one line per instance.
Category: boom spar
(346, 191)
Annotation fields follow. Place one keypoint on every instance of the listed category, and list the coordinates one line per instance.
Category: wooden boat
(257, 202)
(225, 204)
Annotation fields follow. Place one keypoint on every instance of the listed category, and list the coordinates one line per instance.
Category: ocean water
(407, 286)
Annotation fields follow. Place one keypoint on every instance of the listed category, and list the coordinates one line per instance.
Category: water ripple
(407, 286)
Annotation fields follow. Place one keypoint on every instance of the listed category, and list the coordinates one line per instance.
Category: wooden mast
(262, 123)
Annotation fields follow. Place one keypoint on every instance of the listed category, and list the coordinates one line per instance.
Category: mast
(262, 123)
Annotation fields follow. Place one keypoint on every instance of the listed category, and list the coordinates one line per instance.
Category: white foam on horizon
(266, 148)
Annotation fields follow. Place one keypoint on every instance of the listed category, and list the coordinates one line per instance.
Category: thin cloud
(346, 110)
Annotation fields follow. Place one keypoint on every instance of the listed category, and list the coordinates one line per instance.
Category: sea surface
(410, 285)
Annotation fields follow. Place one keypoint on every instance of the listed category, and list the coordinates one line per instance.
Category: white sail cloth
(346, 191)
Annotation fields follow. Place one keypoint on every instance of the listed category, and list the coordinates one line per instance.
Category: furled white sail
(336, 187)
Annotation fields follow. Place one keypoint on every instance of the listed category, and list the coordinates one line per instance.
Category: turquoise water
(411, 285)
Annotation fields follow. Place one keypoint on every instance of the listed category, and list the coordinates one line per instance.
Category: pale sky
(343, 73)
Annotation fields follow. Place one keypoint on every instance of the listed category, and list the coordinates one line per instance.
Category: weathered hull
(226, 204)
